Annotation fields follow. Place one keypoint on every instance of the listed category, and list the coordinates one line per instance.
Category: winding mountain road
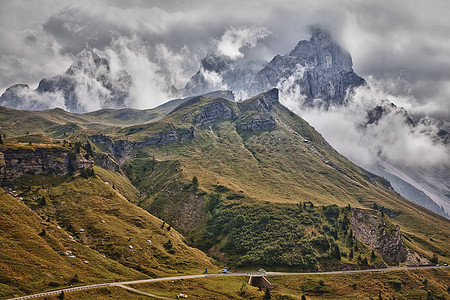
(248, 274)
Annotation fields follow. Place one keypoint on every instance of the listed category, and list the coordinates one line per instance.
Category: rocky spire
(320, 37)
(327, 70)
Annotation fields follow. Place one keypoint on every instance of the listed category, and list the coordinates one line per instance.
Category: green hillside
(32, 261)
(93, 221)
(288, 163)
(57, 123)
(258, 150)
(249, 183)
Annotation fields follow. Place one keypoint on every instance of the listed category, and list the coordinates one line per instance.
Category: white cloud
(34, 100)
(390, 138)
(90, 93)
(235, 39)
(214, 80)
(180, 66)
(150, 88)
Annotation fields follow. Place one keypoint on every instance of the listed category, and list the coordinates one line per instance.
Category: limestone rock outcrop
(214, 110)
(16, 162)
(373, 229)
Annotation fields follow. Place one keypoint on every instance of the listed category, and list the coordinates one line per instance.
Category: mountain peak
(89, 62)
(89, 74)
(327, 70)
(271, 96)
(16, 88)
(320, 36)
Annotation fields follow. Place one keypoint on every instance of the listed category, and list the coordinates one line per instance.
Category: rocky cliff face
(18, 162)
(264, 101)
(262, 107)
(373, 229)
(265, 124)
(121, 149)
(321, 68)
(106, 162)
(214, 110)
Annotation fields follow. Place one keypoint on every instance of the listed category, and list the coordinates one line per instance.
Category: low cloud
(180, 65)
(150, 87)
(235, 39)
(391, 138)
(38, 101)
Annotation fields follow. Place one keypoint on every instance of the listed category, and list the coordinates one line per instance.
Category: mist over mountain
(316, 80)
(89, 84)
(325, 68)
(95, 80)
(218, 72)
(326, 72)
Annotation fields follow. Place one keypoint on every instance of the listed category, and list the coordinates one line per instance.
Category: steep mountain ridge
(258, 150)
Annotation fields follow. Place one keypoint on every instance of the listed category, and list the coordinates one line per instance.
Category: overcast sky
(403, 46)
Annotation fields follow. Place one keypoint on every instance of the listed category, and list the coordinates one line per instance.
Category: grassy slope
(85, 203)
(100, 294)
(272, 166)
(128, 116)
(57, 123)
(215, 288)
(269, 236)
(120, 182)
(278, 166)
(29, 262)
(412, 284)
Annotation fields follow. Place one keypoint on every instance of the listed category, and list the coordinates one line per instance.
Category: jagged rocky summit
(88, 84)
(320, 67)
